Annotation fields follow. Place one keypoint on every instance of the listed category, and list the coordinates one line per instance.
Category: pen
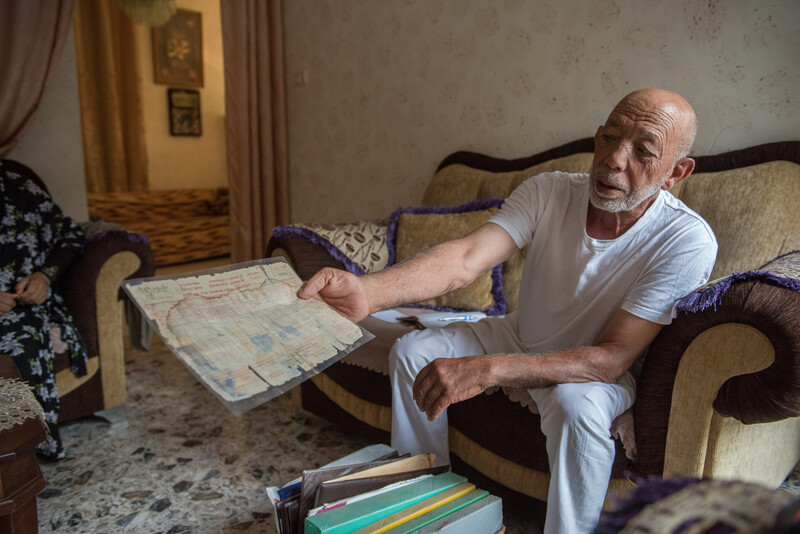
(457, 318)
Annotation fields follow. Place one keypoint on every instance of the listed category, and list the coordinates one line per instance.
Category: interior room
(365, 99)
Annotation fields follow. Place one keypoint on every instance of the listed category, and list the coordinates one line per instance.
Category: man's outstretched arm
(446, 381)
(433, 272)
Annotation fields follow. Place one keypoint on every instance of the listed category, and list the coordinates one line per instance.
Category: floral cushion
(360, 246)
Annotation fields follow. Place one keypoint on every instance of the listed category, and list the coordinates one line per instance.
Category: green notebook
(361, 513)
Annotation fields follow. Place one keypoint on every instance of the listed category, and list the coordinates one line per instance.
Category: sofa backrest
(166, 204)
(752, 209)
(458, 183)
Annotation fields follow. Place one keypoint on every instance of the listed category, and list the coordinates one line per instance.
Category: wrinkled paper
(242, 330)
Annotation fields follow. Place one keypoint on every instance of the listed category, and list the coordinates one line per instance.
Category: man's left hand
(446, 381)
(32, 289)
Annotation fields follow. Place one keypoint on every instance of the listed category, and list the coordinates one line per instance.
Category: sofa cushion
(184, 239)
(182, 224)
(783, 271)
(457, 183)
(162, 204)
(414, 229)
(733, 203)
(701, 505)
(360, 246)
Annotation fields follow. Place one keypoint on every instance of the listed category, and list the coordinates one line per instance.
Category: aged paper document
(242, 331)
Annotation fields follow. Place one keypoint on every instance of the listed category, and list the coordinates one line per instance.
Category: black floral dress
(36, 236)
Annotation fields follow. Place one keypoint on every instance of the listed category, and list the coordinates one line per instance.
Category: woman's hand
(7, 302)
(33, 289)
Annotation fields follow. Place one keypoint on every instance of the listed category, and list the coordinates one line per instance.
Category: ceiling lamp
(148, 12)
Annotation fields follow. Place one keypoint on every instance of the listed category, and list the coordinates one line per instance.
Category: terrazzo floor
(180, 462)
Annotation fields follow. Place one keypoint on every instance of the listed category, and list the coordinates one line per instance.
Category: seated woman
(37, 244)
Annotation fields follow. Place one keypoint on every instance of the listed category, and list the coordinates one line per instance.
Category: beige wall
(392, 87)
(177, 162)
(52, 146)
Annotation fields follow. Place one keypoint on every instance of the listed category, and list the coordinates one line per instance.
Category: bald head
(641, 149)
(664, 108)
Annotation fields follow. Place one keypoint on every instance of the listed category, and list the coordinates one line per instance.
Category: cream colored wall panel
(392, 87)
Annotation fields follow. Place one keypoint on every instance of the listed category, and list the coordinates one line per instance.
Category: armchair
(91, 290)
(719, 390)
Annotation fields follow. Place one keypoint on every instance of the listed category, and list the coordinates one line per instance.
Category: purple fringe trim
(499, 295)
(698, 301)
(128, 236)
(318, 240)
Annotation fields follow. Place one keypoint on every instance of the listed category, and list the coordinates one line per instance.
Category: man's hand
(446, 381)
(7, 302)
(33, 289)
(342, 291)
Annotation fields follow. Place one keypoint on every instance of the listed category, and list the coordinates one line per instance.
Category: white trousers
(575, 419)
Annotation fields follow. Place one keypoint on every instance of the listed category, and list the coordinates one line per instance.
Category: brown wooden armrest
(306, 257)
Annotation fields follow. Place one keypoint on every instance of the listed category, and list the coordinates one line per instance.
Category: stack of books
(376, 490)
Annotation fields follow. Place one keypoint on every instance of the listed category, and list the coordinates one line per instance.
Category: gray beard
(632, 198)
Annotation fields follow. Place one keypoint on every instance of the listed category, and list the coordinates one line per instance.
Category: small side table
(20, 477)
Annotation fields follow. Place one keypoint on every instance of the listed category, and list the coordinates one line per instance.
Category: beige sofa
(719, 391)
(182, 225)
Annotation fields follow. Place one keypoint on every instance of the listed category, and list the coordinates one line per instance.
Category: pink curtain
(32, 36)
(255, 117)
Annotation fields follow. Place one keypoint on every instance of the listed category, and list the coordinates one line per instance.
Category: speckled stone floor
(180, 462)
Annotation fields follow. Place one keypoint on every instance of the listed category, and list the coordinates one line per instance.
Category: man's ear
(682, 169)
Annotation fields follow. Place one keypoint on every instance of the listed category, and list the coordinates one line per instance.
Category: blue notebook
(482, 517)
(446, 509)
(361, 513)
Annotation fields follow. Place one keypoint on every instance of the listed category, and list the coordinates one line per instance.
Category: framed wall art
(184, 112)
(178, 50)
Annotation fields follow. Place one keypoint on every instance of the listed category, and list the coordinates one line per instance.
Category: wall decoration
(184, 112)
(178, 50)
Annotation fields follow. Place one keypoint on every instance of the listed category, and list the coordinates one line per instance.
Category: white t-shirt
(573, 284)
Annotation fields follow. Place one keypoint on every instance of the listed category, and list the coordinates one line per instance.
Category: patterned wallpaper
(379, 91)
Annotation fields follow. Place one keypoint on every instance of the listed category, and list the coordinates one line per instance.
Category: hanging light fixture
(148, 12)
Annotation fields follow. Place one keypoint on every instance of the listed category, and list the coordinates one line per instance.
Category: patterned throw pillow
(360, 246)
(681, 505)
(414, 229)
(783, 271)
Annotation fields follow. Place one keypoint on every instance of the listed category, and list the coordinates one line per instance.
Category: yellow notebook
(369, 509)
(416, 510)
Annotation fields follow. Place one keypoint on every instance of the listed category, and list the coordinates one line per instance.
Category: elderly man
(609, 255)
